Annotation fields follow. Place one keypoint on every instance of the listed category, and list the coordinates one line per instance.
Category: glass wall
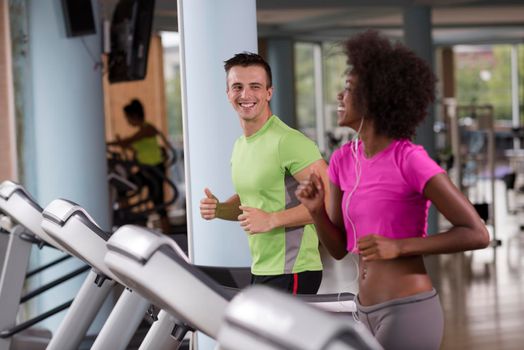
(334, 69)
(483, 76)
(520, 53)
(173, 93)
(170, 43)
(305, 88)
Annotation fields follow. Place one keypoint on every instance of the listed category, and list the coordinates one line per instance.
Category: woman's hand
(311, 193)
(375, 247)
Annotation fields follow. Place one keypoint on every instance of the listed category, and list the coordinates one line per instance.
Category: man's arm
(230, 209)
(254, 220)
(299, 215)
(211, 207)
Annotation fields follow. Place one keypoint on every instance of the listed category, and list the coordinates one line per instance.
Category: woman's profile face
(346, 110)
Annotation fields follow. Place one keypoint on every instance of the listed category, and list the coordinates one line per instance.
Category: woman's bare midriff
(384, 280)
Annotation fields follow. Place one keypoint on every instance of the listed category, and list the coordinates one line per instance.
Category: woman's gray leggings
(414, 322)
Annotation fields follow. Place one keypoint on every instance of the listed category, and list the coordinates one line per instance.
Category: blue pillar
(418, 36)
(25, 136)
(280, 56)
(68, 115)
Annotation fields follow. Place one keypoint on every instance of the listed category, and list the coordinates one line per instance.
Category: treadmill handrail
(18, 205)
(138, 244)
(7, 333)
(48, 265)
(8, 188)
(54, 283)
(135, 242)
(60, 210)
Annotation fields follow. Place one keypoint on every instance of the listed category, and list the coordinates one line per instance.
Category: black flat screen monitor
(78, 17)
(130, 36)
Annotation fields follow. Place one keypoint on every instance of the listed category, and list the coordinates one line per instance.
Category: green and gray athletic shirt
(262, 167)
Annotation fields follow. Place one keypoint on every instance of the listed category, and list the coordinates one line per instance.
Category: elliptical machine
(133, 187)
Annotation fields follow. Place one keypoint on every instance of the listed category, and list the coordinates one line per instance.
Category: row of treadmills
(155, 271)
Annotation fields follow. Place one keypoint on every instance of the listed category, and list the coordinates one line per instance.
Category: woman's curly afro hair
(394, 86)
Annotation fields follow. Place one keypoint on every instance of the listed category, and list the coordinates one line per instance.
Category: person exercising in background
(149, 154)
(267, 163)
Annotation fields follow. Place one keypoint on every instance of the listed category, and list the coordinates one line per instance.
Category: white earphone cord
(358, 173)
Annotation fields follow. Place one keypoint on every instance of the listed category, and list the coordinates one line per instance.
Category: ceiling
(454, 21)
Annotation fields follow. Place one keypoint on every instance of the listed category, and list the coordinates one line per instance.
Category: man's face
(247, 91)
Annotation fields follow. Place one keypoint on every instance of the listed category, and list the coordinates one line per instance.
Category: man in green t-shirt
(267, 163)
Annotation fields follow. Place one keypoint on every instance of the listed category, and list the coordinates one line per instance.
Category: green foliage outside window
(305, 86)
(483, 76)
(174, 107)
(334, 70)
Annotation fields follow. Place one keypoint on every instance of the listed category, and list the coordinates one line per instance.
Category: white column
(211, 32)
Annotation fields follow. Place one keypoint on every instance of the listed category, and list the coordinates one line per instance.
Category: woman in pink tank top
(381, 188)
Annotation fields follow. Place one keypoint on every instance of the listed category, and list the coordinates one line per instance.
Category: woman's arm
(146, 130)
(171, 160)
(468, 232)
(329, 224)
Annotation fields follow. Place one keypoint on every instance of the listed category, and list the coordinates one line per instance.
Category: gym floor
(482, 292)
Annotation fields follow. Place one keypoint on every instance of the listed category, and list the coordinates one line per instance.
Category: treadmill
(154, 266)
(22, 216)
